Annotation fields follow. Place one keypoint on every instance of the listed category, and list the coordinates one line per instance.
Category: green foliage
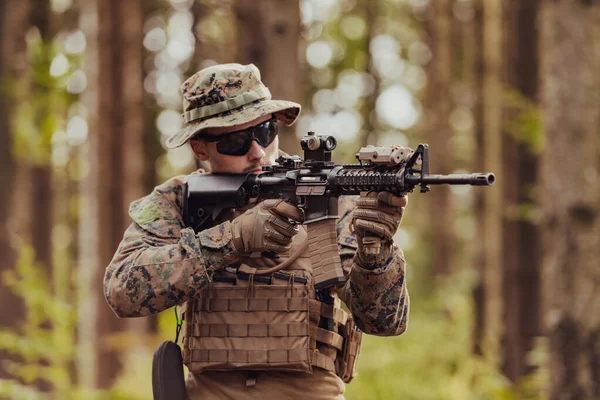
(524, 120)
(38, 116)
(44, 341)
(44, 344)
(434, 358)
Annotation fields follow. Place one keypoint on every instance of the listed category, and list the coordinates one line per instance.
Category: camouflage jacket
(160, 263)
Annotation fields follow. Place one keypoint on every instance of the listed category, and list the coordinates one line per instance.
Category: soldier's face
(251, 162)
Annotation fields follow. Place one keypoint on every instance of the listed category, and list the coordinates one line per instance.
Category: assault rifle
(314, 184)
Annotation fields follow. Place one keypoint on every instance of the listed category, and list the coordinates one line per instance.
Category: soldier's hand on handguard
(270, 227)
(375, 221)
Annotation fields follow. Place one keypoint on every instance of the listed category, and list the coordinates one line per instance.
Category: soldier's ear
(200, 150)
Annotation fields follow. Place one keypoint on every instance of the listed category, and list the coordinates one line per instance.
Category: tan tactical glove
(266, 227)
(375, 221)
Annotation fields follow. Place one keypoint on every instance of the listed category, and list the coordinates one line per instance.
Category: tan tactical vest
(244, 321)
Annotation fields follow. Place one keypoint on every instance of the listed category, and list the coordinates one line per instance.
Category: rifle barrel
(476, 179)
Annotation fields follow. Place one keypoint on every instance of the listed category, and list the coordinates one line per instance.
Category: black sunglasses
(238, 143)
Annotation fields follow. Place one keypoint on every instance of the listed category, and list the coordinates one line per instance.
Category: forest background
(504, 280)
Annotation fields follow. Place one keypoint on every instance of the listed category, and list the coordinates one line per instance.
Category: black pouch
(167, 373)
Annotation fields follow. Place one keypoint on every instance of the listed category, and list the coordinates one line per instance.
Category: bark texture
(40, 170)
(488, 138)
(268, 34)
(372, 9)
(138, 136)
(115, 156)
(521, 272)
(13, 63)
(479, 162)
(571, 195)
(439, 132)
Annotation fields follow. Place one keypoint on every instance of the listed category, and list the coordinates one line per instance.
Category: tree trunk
(372, 10)
(138, 177)
(40, 170)
(570, 197)
(11, 305)
(6, 143)
(270, 40)
(521, 283)
(120, 126)
(481, 259)
(488, 294)
(198, 10)
(219, 50)
(88, 209)
(439, 105)
(152, 148)
(114, 99)
(13, 63)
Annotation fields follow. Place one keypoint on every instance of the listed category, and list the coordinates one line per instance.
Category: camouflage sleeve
(375, 292)
(160, 263)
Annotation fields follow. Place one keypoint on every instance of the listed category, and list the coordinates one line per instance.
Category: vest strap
(318, 309)
(214, 356)
(251, 330)
(254, 304)
(327, 337)
(337, 314)
(322, 361)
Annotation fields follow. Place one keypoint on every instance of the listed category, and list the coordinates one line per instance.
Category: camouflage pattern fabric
(227, 95)
(375, 292)
(160, 263)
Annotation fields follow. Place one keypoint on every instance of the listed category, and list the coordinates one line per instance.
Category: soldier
(246, 337)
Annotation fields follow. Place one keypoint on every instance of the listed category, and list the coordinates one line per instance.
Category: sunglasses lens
(238, 143)
(265, 133)
(235, 144)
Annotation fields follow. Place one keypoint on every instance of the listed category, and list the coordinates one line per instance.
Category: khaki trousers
(217, 385)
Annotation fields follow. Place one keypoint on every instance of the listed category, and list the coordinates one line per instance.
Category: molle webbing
(316, 308)
(227, 326)
(253, 304)
(251, 330)
(319, 309)
(250, 326)
(266, 357)
(327, 337)
(270, 330)
(322, 361)
(271, 357)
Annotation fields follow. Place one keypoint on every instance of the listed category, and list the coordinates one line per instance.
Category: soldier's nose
(256, 152)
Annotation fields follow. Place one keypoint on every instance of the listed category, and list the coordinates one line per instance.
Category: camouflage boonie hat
(227, 95)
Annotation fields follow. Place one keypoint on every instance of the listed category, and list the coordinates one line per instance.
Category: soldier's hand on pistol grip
(270, 227)
(376, 219)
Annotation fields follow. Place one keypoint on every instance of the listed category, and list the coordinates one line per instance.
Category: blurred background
(504, 280)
